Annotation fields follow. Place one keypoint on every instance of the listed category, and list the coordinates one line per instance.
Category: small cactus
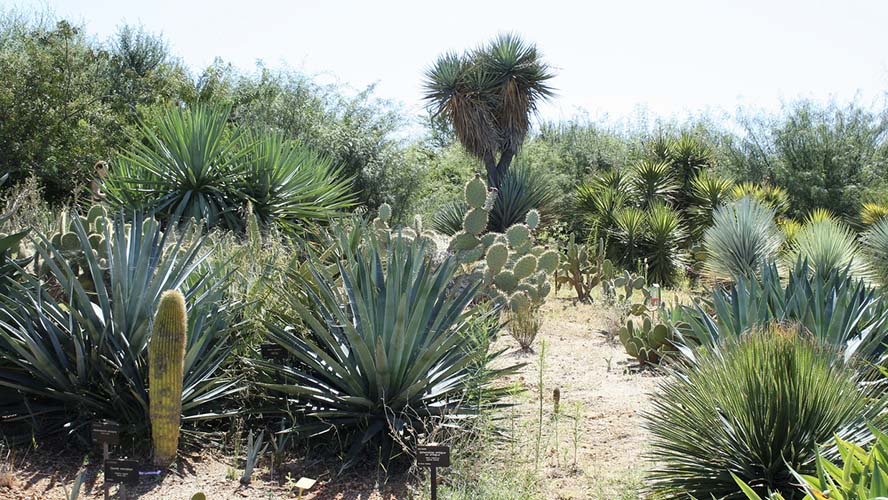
(166, 357)
(476, 193)
(646, 342)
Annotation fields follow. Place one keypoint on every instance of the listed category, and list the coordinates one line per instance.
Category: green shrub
(78, 350)
(756, 408)
(742, 239)
(379, 357)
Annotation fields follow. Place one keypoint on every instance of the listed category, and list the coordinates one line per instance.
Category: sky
(613, 59)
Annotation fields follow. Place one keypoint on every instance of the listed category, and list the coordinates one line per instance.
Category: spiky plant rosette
(386, 352)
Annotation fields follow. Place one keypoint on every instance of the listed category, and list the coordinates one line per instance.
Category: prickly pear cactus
(513, 270)
(645, 341)
(386, 234)
(583, 272)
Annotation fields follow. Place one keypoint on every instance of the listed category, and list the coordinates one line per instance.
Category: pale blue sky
(670, 57)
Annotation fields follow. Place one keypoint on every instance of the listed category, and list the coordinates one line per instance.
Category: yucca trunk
(166, 357)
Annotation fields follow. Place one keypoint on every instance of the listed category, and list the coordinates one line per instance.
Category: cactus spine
(166, 359)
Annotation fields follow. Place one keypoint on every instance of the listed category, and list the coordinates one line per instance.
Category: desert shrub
(742, 239)
(757, 408)
(74, 340)
(523, 325)
(828, 245)
(378, 358)
(837, 309)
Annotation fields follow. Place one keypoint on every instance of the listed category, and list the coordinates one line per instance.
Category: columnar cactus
(166, 359)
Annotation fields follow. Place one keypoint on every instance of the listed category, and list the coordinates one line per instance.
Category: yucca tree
(79, 351)
(187, 165)
(488, 95)
(652, 182)
(742, 239)
(828, 245)
(598, 206)
(666, 257)
(774, 196)
(289, 184)
(388, 351)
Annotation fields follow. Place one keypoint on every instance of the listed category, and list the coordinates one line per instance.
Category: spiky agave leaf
(837, 309)
(520, 191)
(385, 352)
(81, 353)
(742, 239)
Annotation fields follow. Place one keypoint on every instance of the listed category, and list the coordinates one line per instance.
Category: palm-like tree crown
(488, 95)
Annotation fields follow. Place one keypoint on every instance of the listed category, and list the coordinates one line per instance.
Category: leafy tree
(488, 95)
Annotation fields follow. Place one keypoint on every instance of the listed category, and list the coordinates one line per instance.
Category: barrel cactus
(166, 358)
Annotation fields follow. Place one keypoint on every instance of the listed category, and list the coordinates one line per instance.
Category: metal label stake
(433, 456)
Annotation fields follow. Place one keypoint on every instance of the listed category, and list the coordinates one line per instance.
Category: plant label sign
(122, 471)
(273, 352)
(433, 456)
(106, 432)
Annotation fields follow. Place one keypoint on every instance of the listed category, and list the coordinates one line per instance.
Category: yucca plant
(756, 408)
(871, 213)
(629, 232)
(790, 229)
(188, 165)
(652, 182)
(837, 309)
(78, 351)
(742, 239)
(386, 352)
(875, 243)
(708, 193)
(488, 95)
(773, 196)
(828, 245)
(863, 475)
(597, 207)
(665, 256)
(289, 184)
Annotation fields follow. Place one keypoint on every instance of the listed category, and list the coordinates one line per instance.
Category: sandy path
(591, 370)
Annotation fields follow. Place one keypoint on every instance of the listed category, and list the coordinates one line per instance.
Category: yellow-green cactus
(166, 359)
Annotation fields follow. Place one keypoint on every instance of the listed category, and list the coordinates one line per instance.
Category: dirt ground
(599, 388)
